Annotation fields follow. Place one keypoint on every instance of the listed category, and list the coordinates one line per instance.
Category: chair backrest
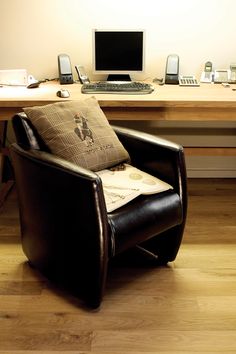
(26, 135)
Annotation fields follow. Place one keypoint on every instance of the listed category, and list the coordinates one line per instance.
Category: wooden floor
(187, 307)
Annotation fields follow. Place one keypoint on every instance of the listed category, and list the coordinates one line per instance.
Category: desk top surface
(206, 95)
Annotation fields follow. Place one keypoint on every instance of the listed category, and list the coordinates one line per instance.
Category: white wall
(34, 32)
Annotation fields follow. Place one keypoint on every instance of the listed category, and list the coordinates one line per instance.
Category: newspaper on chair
(122, 186)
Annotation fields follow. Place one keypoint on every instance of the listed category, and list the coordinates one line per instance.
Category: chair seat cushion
(143, 218)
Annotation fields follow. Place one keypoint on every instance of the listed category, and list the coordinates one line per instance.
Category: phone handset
(207, 74)
(83, 77)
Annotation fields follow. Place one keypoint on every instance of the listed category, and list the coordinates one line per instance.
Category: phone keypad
(188, 81)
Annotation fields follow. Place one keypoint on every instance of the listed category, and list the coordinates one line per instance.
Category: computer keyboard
(132, 87)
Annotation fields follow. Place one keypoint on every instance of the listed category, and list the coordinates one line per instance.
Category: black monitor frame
(118, 53)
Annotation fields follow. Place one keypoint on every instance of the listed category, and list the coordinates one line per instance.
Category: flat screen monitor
(118, 53)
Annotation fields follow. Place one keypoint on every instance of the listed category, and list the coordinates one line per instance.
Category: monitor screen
(118, 51)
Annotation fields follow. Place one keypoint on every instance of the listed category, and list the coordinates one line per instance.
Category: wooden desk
(169, 102)
(208, 102)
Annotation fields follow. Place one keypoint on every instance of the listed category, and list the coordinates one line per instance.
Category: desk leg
(6, 172)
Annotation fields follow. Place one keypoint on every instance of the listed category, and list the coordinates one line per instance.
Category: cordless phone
(83, 77)
(207, 74)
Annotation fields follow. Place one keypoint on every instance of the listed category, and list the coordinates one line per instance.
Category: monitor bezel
(117, 72)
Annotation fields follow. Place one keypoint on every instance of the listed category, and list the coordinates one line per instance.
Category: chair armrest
(155, 155)
(61, 163)
(63, 216)
(159, 157)
(55, 172)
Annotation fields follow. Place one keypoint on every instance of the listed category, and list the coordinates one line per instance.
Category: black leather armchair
(67, 233)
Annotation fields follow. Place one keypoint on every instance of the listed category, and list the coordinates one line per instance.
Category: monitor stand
(118, 77)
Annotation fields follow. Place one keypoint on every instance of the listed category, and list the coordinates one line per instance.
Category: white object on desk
(221, 75)
(15, 77)
(189, 80)
(207, 77)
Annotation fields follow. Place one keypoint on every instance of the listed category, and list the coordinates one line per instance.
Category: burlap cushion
(78, 131)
